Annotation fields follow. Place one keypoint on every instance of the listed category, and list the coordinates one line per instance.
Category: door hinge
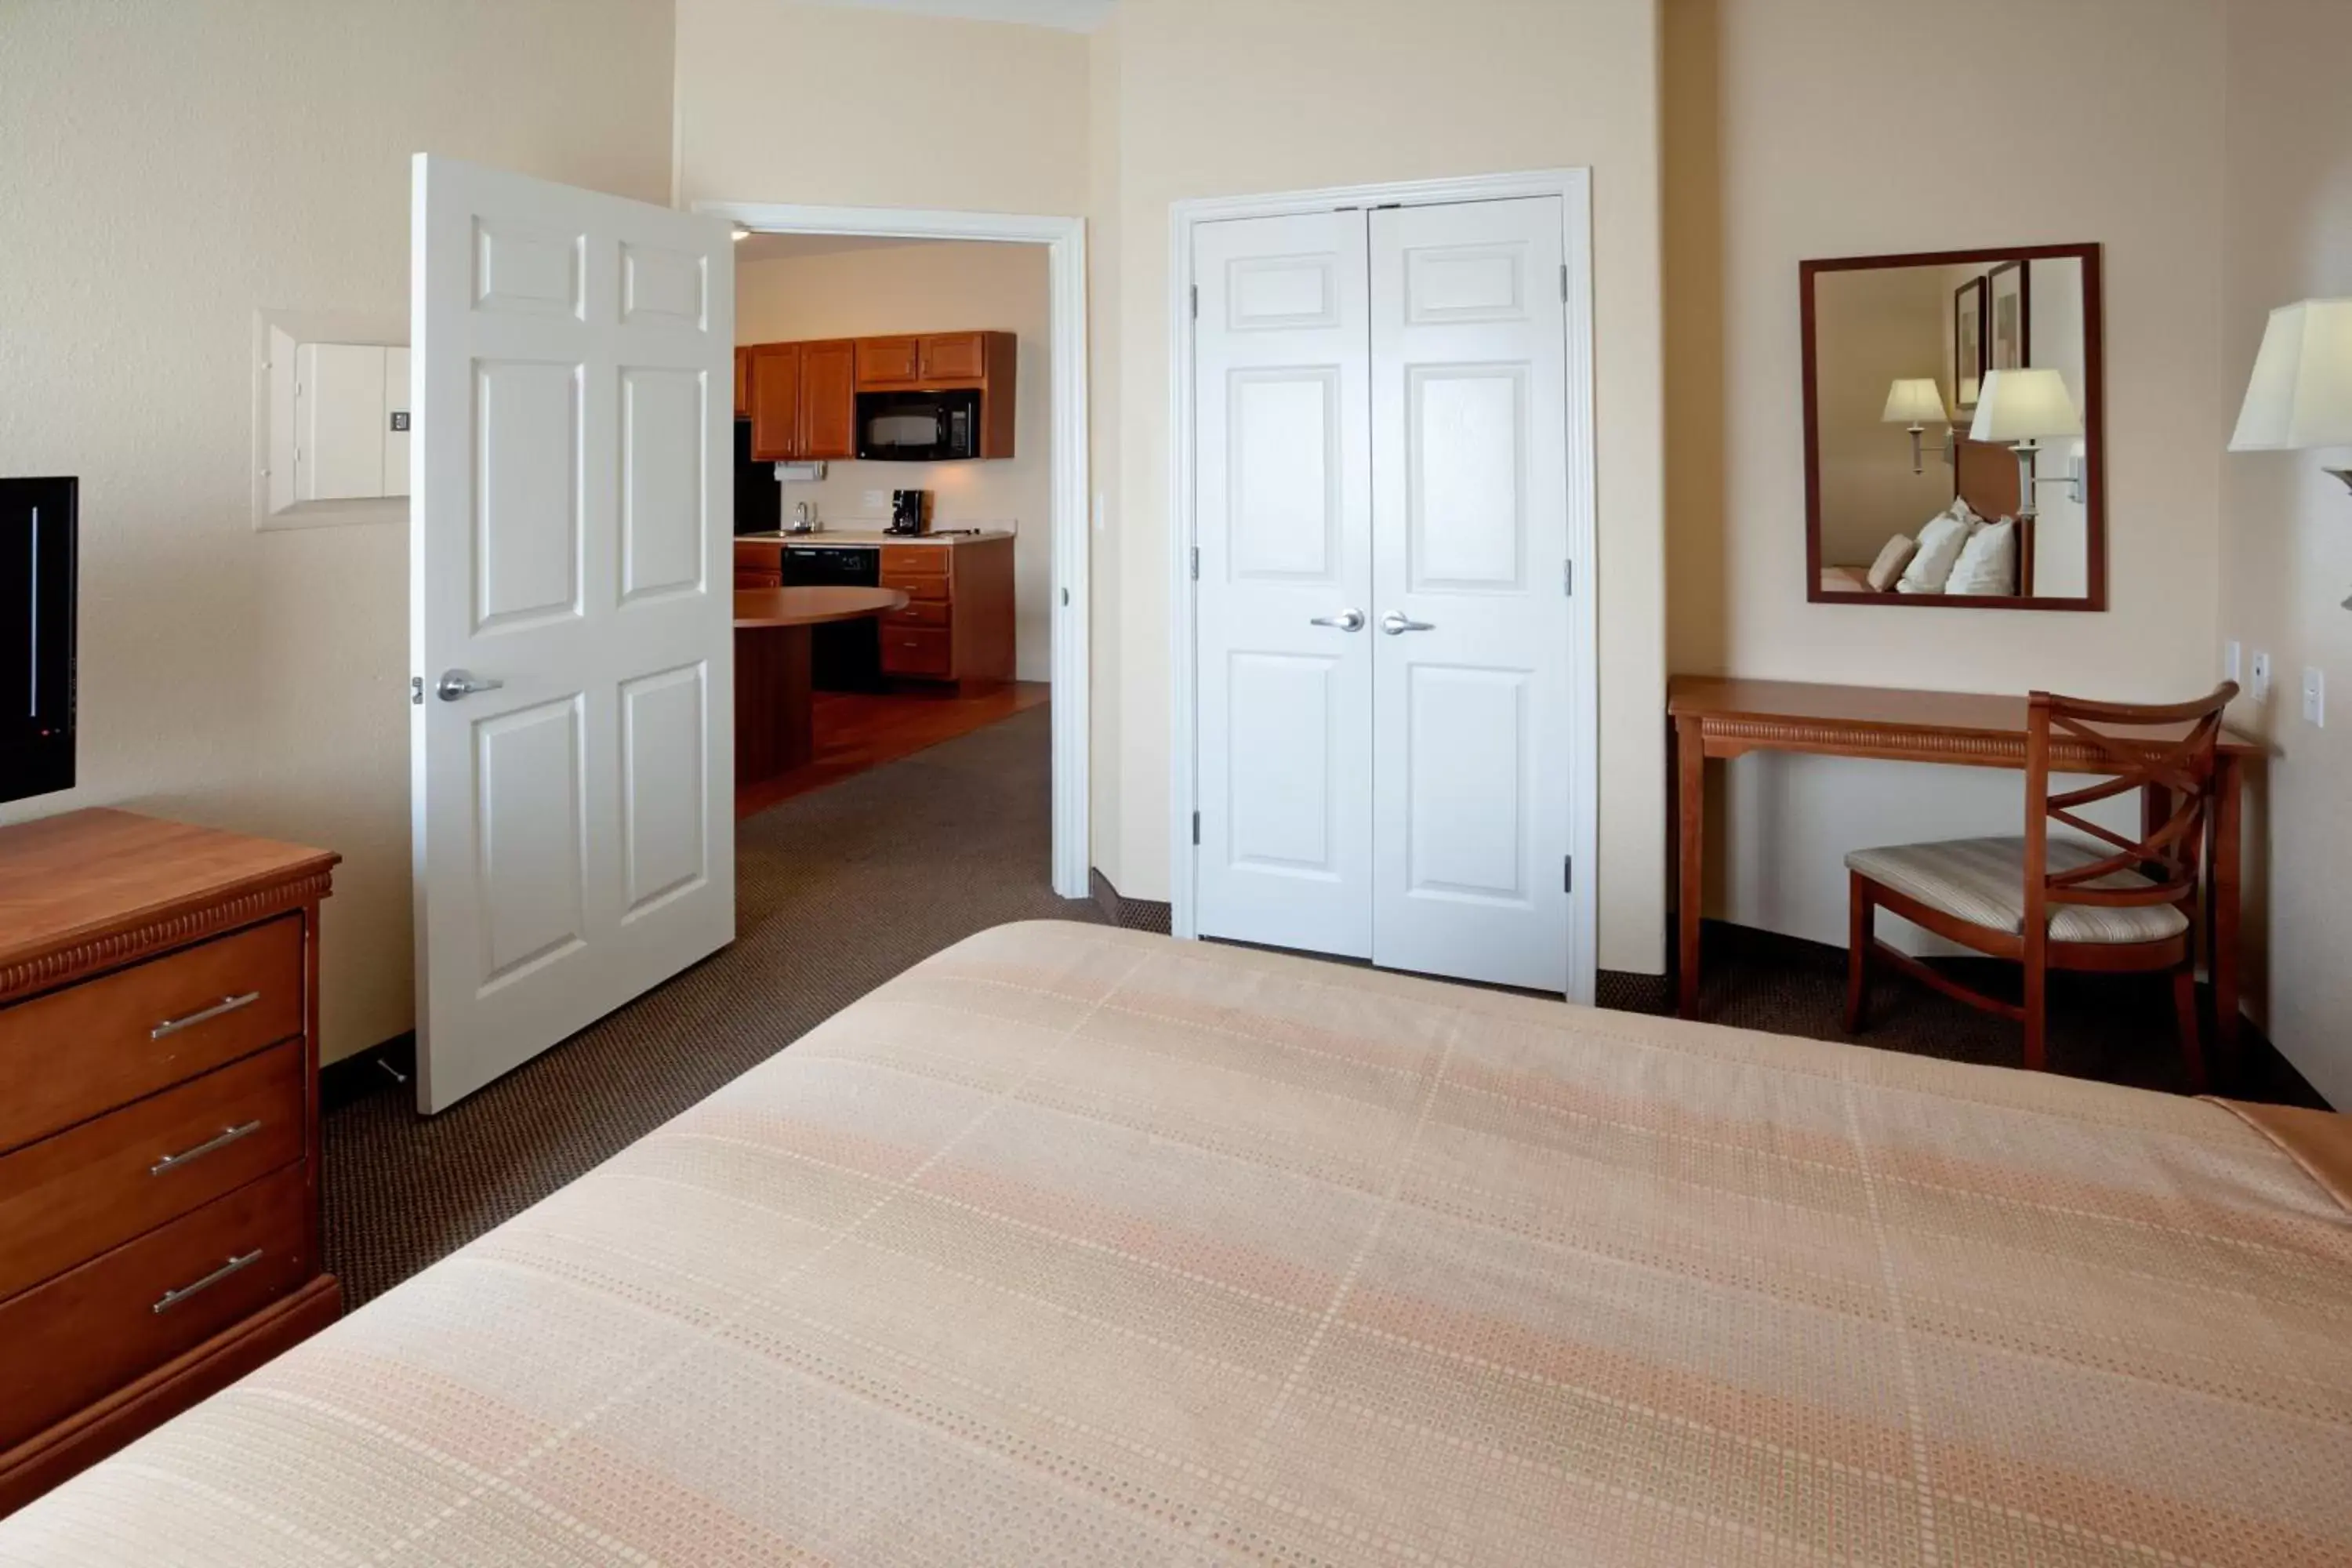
(1196, 301)
(1196, 563)
(416, 691)
(1568, 578)
(1196, 827)
(1065, 599)
(1563, 282)
(1567, 873)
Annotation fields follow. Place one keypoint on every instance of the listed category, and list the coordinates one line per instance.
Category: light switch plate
(877, 502)
(2232, 661)
(2315, 696)
(2262, 687)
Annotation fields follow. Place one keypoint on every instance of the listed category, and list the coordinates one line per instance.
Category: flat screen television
(37, 549)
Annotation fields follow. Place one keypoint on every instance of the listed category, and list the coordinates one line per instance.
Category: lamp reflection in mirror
(2020, 408)
(1915, 402)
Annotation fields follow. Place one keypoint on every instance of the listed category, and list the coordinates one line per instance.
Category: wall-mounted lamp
(2019, 408)
(2301, 392)
(1916, 402)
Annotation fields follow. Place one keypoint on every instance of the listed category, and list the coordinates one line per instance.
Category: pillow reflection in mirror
(1894, 556)
(1988, 563)
(1940, 543)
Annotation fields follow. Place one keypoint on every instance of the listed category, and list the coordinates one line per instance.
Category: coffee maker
(911, 512)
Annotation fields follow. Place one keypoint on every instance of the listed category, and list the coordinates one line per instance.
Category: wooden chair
(2063, 903)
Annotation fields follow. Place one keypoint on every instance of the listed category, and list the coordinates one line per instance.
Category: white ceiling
(1069, 15)
(785, 246)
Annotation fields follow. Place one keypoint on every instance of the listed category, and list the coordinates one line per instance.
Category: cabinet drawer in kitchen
(72, 1054)
(86, 1333)
(919, 613)
(933, 590)
(917, 651)
(71, 1196)
(915, 560)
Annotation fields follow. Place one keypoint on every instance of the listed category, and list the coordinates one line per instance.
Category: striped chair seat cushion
(1982, 881)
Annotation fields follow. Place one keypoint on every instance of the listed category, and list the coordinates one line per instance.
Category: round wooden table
(774, 732)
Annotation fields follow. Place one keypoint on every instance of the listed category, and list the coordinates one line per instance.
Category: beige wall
(2286, 542)
(780, 101)
(920, 288)
(1232, 97)
(1788, 135)
(172, 169)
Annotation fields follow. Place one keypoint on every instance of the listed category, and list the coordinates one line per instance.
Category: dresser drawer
(74, 1054)
(919, 613)
(914, 561)
(917, 651)
(68, 1198)
(84, 1334)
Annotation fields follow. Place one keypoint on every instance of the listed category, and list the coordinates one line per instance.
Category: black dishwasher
(844, 656)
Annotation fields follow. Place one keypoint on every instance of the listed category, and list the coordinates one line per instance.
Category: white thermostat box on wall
(331, 419)
(351, 421)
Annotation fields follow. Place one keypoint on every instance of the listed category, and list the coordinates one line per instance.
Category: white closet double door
(1384, 631)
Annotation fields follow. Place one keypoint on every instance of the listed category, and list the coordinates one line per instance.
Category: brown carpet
(842, 888)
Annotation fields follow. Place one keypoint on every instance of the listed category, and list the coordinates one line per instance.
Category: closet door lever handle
(1395, 623)
(1346, 620)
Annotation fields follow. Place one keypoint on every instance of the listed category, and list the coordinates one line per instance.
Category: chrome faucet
(803, 518)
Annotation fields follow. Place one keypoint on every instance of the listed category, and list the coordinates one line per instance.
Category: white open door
(571, 745)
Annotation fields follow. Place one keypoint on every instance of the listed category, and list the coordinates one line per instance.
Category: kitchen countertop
(873, 536)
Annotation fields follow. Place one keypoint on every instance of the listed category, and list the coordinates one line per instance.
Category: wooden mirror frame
(2094, 410)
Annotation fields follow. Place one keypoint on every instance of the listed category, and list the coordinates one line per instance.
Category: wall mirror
(1954, 429)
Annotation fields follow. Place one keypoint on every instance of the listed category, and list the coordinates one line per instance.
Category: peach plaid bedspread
(1077, 1245)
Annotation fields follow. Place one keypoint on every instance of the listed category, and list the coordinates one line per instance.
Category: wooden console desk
(1717, 717)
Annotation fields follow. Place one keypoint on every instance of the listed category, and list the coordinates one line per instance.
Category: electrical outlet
(2231, 661)
(2315, 696)
(2262, 687)
(878, 501)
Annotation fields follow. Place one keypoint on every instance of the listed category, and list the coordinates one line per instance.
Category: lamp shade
(2301, 394)
(2024, 405)
(1919, 402)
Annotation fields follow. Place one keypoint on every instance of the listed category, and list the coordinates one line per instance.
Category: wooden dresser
(159, 1126)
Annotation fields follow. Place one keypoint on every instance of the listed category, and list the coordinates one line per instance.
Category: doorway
(1384, 625)
(1064, 241)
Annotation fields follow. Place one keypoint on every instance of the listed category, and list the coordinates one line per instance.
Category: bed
(1077, 1245)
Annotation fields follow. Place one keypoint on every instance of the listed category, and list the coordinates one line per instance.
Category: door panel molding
(1466, 295)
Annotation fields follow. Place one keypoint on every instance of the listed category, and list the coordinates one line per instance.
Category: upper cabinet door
(742, 383)
(889, 362)
(828, 413)
(775, 393)
(955, 356)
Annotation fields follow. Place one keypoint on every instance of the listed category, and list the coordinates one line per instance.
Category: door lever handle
(1396, 625)
(1346, 620)
(459, 683)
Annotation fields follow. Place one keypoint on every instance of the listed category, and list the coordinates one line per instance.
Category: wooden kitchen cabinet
(775, 402)
(953, 356)
(742, 383)
(802, 397)
(885, 362)
(828, 400)
(758, 564)
(958, 623)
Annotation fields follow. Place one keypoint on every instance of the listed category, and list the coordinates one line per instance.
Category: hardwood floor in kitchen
(857, 731)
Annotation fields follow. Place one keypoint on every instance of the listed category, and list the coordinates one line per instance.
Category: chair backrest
(2166, 750)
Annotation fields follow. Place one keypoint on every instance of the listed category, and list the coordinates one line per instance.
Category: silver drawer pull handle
(171, 1299)
(203, 1015)
(228, 1136)
(1396, 624)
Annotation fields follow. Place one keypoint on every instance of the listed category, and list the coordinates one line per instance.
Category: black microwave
(919, 426)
